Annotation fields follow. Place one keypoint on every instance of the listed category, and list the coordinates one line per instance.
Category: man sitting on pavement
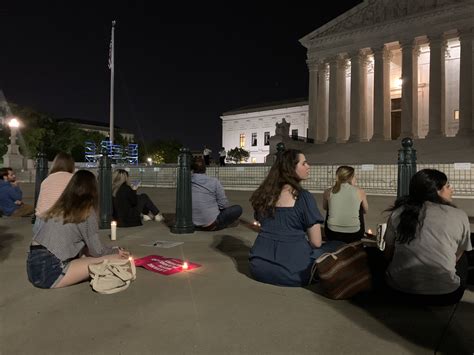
(11, 195)
(211, 210)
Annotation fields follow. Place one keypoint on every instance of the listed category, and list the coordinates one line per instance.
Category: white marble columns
(382, 103)
(466, 84)
(409, 89)
(436, 108)
(337, 99)
(312, 100)
(358, 103)
(322, 109)
(327, 91)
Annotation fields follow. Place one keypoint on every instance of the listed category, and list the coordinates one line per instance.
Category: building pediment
(374, 12)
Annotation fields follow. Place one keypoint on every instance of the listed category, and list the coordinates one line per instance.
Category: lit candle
(369, 231)
(113, 230)
(185, 266)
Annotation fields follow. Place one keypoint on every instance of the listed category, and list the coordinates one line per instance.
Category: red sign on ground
(163, 265)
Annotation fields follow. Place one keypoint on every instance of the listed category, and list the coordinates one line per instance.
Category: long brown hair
(78, 199)
(282, 173)
(343, 174)
(62, 162)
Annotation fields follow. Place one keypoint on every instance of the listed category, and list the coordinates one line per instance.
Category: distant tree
(164, 151)
(4, 141)
(238, 155)
(42, 132)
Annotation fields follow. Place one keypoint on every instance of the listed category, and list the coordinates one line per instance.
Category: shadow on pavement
(169, 219)
(425, 326)
(235, 248)
(6, 242)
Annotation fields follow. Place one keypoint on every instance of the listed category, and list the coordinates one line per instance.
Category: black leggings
(346, 237)
(145, 205)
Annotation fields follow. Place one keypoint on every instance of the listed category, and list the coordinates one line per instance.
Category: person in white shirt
(206, 153)
(222, 156)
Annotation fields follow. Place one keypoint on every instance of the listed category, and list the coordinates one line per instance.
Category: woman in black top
(128, 205)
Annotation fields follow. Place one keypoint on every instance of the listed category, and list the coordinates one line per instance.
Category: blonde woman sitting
(345, 204)
(130, 206)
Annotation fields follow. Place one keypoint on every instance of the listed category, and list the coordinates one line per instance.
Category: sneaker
(146, 218)
(159, 217)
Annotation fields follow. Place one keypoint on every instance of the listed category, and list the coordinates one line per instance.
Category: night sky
(177, 69)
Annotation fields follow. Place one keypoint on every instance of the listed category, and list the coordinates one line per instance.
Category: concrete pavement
(215, 309)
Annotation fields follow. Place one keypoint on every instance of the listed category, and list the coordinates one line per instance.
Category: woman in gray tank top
(345, 204)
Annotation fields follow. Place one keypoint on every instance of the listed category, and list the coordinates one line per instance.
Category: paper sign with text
(164, 265)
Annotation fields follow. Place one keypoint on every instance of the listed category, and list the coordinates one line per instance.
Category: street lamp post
(13, 158)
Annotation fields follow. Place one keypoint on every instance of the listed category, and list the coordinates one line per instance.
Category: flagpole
(111, 66)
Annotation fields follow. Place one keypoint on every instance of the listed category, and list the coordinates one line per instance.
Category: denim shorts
(44, 269)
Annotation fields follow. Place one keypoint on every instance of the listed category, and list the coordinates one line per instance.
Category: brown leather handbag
(345, 272)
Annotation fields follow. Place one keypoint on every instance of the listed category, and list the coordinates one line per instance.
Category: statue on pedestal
(283, 128)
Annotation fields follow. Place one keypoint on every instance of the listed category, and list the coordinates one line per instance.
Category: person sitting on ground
(211, 208)
(426, 241)
(290, 235)
(345, 204)
(128, 205)
(11, 195)
(68, 241)
(53, 186)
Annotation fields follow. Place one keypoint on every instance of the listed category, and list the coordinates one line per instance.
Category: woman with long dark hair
(67, 241)
(425, 242)
(346, 205)
(290, 236)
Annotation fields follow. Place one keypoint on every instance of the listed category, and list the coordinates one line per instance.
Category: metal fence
(375, 179)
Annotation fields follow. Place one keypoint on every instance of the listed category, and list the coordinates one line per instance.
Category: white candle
(113, 230)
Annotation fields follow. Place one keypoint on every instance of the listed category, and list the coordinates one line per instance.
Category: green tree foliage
(41, 132)
(163, 151)
(238, 155)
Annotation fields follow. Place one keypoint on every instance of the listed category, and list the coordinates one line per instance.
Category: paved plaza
(215, 309)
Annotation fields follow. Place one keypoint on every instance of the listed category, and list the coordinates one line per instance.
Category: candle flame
(185, 266)
(369, 231)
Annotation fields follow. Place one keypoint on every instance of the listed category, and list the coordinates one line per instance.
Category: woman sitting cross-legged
(130, 206)
(426, 241)
(290, 236)
(67, 241)
(345, 204)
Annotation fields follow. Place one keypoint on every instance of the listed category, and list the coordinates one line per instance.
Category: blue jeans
(228, 216)
(44, 269)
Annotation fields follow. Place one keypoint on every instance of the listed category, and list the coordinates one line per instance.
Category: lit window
(242, 140)
(254, 139)
(266, 138)
(456, 114)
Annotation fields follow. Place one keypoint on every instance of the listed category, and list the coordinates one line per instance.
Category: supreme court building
(388, 69)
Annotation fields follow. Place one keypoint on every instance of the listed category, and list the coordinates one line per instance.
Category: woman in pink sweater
(53, 186)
